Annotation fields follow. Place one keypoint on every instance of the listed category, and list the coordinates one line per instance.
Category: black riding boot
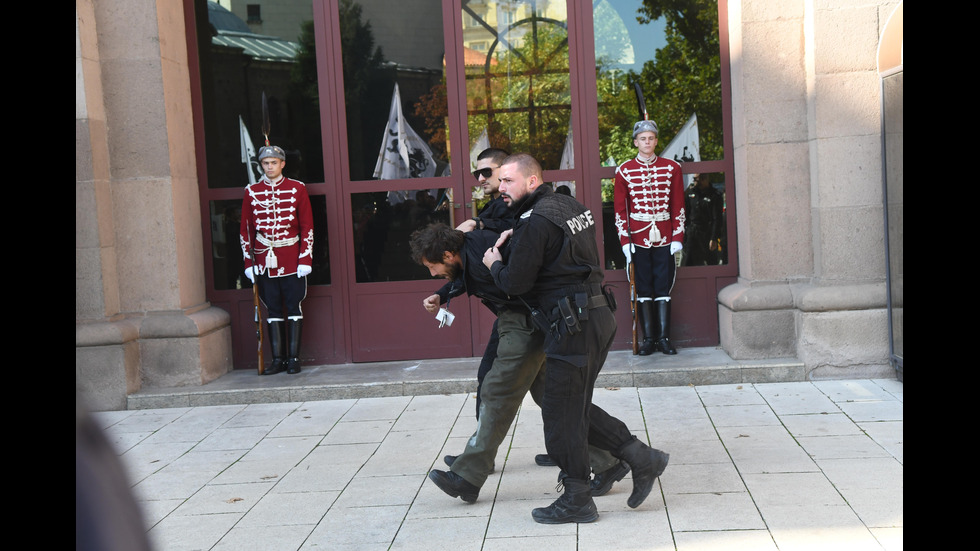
(663, 314)
(647, 464)
(575, 505)
(295, 332)
(648, 321)
(275, 331)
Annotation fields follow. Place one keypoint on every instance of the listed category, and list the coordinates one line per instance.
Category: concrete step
(691, 366)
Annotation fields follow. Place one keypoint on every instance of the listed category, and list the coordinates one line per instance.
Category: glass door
(399, 173)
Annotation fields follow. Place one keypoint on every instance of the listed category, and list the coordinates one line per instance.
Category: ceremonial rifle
(641, 103)
(255, 296)
(266, 127)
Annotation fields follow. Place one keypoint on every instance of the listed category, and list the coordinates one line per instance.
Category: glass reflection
(394, 89)
(518, 95)
(227, 262)
(674, 56)
(705, 236)
(384, 222)
(706, 230)
(244, 54)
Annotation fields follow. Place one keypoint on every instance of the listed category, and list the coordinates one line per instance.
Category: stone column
(808, 187)
(142, 318)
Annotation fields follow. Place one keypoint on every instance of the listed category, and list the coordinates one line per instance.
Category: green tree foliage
(368, 86)
(684, 78)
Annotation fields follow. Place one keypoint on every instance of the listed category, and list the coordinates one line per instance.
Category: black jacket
(475, 279)
(496, 216)
(553, 249)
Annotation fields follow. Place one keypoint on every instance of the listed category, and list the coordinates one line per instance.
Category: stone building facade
(807, 145)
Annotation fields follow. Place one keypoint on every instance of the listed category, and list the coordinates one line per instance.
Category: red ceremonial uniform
(281, 220)
(655, 191)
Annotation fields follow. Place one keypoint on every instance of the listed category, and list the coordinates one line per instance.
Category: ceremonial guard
(649, 204)
(277, 242)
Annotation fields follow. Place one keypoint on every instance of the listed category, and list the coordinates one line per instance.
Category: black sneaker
(454, 485)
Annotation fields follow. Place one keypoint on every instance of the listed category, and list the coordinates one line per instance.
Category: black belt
(597, 301)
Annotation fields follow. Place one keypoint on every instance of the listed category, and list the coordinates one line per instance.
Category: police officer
(517, 369)
(277, 231)
(554, 262)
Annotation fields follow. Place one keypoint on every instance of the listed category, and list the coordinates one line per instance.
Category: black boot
(274, 331)
(544, 460)
(648, 322)
(647, 464)
(454, 485)
(663, 315)
(602, 482)
(575, 505)
(450, 459)
(295, 333)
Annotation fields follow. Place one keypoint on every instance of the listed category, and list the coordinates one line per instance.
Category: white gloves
(627, 250)
(301, 271)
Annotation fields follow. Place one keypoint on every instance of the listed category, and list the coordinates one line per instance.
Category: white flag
(404, 154)
(567, 161)
(482, 143)
(248, 152)
(685, 147)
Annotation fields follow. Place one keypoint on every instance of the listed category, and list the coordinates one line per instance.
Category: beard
(516, 204)
(453, 271)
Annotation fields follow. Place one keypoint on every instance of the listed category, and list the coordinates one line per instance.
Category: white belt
(276, 242)
(646, 217)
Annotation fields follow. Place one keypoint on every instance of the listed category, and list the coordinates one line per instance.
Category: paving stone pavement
(767, 466)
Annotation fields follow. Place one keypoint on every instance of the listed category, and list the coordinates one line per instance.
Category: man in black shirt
(518, 368)
(554, 263)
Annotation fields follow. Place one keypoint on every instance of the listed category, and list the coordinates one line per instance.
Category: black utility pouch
(569, 315)
(582, 303)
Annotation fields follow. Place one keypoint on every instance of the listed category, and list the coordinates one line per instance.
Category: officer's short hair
(527, 165)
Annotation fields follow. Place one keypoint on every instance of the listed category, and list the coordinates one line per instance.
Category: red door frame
(344, 319)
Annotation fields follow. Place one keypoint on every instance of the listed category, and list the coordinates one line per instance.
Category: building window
(673, 55)
(254, 13)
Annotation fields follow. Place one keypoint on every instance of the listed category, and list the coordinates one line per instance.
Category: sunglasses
(485, 172)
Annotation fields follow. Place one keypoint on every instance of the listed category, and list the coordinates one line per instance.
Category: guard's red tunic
(655, 191)
(281, 221)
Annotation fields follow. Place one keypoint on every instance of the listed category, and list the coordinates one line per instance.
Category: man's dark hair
(495, 154)
(432, 241)
(526, 164)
